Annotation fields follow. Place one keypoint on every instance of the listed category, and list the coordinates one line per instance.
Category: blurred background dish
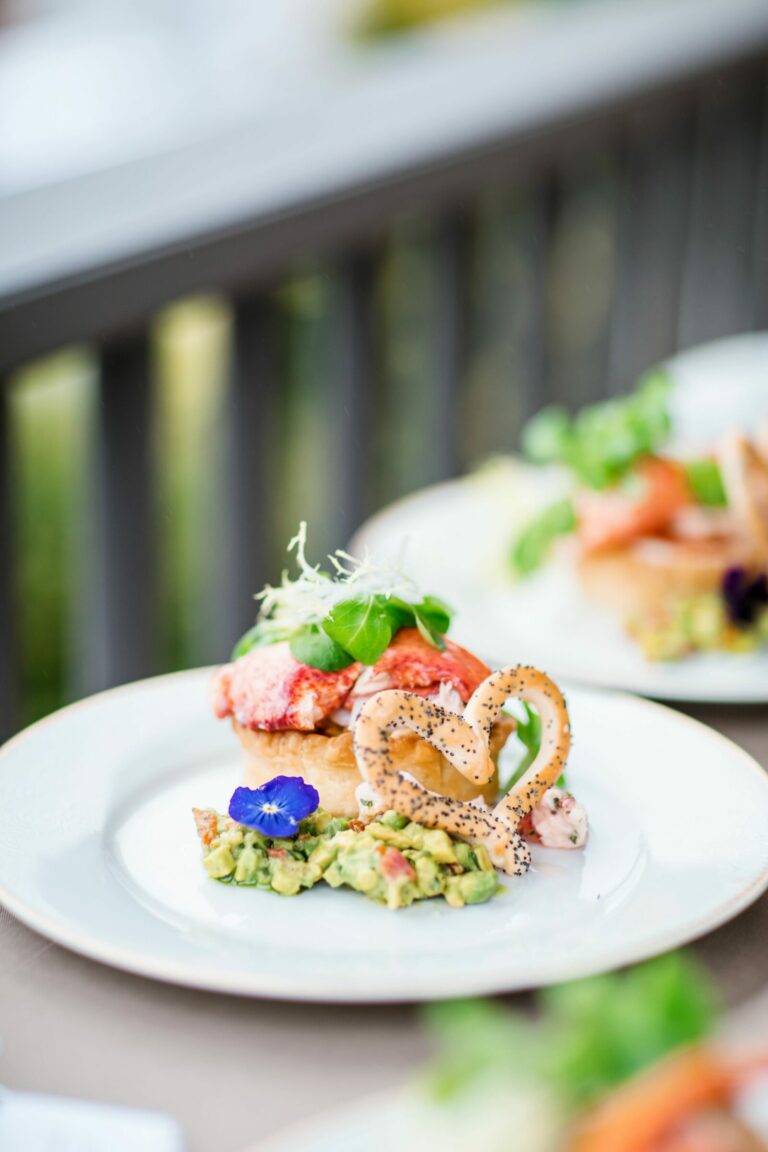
(464, 531)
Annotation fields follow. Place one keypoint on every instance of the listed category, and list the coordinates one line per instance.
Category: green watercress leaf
(528, 732)
(247, 641)
(263, 633)
(313, 646)
(427, 631)
(706, 481)
(437, 613)
(361, 626)
(400, 614)
(532, 546)
(603, 440)
(547, 437)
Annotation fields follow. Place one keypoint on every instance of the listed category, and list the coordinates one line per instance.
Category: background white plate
(99, 853)
(454, 539)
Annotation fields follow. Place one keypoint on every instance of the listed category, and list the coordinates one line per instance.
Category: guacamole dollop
(390, 859)
(698, 623)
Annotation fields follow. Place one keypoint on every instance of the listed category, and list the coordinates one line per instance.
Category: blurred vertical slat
(353, 388)
(580, 278)
(8, 638)
(718, 283)
(120, 621)
(424, 316)
(453, 270)
(253, 473)
(508, 275)
(543, 212)
(760, 290)
(654, 207)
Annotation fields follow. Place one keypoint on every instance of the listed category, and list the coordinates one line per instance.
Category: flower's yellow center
(270, 809)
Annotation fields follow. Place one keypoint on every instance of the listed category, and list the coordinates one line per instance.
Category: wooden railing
(583, 194)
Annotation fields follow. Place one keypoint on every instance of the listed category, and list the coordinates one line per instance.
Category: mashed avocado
(697, 624)
(390, 860)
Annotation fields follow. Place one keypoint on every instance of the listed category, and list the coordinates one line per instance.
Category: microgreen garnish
(331, 620)
(603, 440)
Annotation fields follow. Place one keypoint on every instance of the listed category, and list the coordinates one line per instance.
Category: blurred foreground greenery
(590, 1035)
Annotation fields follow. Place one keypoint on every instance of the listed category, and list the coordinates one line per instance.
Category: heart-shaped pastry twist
(463, 740)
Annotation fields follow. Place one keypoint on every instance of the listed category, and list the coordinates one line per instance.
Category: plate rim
(256, 985)
(359, 542)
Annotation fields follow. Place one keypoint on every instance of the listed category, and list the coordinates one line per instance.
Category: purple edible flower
(276, 808)
(745, 595)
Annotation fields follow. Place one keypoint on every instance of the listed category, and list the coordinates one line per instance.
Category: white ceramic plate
(98, 852)
(455, 540)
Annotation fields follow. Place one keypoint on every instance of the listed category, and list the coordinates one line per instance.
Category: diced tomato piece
(395, 866)
(526, 828)
(207, 824)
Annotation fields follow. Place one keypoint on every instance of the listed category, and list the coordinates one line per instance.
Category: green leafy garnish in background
(592, 1034)
(533, 545)
(602, 441)
(330, 621)
(706, 481)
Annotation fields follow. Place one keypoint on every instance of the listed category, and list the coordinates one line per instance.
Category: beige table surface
(233, 1069)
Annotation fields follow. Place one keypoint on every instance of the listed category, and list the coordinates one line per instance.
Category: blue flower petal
(276, 808)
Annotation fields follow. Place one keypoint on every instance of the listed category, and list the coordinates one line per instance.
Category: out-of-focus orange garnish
(639, 1115)
(610, 519)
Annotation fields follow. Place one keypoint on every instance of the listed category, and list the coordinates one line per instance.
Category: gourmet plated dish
(371, 747)
(676, 546)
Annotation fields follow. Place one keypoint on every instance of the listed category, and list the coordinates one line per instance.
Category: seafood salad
(371, 748)
(676, 546)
